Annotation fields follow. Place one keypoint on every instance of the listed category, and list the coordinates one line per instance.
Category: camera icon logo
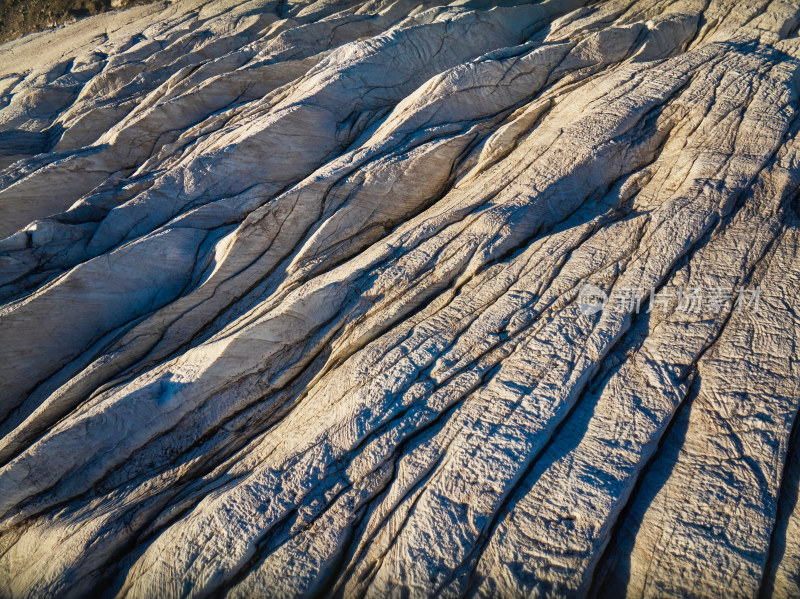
(591, 299)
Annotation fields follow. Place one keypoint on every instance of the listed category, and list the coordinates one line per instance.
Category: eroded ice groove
(291, 300)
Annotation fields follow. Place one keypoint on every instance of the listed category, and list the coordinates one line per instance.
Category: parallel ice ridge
(292, 300)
